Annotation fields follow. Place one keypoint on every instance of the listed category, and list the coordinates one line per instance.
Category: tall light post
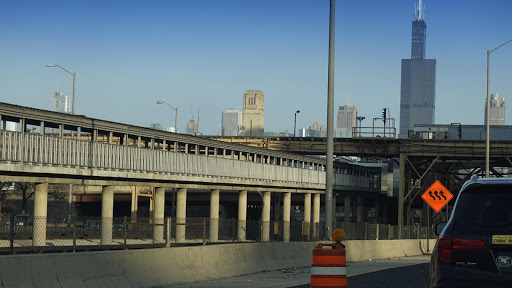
(330, 123)
(487, 118)
(295, 123)
(74, 82)
(175, 119)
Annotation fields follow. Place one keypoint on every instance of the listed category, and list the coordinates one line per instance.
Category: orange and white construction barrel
(329, 267)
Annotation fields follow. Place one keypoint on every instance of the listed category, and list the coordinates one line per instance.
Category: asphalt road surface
(414, 276)
(405, 272)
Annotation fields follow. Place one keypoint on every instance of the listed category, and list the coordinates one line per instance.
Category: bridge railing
(46, 150)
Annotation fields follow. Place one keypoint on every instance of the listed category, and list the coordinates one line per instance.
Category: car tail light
(444, 249)
(446, 244)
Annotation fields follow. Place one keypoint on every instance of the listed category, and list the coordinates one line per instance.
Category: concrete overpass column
(107, 214)
(214, 215)
(307, 216)
(242, 215)
(135, 204)
(41, 128)
(287, 203)
(40, 214)
(347, 213)
(181, 214)
(316, 216)
(158, 230)
(265, 218)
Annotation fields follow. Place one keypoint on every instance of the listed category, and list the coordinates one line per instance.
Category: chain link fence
(26, 234)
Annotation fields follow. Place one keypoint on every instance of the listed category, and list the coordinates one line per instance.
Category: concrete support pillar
(242, 215)
(41, 128)
(307, 216)
(287, 203)
(360, 210)
(316, 216)
(158, 230)
(79, 133)
(265, 218)
(348, 212)
(135, 204)
(181, 214)
(40, 214)
(107, 214)
(214, 215)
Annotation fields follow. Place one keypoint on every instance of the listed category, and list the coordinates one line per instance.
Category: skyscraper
(231, 122)
(496, 111)
(417, 91)
(61, 103)
(346, 117)
(253, 116)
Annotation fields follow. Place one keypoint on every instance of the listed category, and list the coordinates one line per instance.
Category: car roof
(486, 181)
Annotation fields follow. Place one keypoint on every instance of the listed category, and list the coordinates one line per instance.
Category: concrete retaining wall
(168, 266)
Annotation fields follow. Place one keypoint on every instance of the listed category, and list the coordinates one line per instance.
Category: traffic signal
(459, 130)
(384, 114)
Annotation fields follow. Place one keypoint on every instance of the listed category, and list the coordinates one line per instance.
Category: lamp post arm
(72, 74)
(489, 52)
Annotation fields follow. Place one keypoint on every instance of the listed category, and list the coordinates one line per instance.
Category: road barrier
(329, 267)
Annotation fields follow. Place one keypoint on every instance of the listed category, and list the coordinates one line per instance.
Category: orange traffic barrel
(329, 267)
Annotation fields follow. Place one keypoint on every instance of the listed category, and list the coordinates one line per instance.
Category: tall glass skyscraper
(417, 91)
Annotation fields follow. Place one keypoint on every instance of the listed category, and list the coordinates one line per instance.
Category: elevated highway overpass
(53, 147)
(420, 161)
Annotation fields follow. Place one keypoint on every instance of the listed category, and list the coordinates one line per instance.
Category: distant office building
(496, 110)
(159, 126)
(315, 130)
(253, 117)
(346, 117)
(231, 122)
(61, 103)
(417, 91)
(192, 127)
(277, 134)
(342, 133)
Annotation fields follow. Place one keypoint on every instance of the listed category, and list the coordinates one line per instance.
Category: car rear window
(485, 205)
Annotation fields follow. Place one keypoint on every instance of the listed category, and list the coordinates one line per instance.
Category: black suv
(475, 246)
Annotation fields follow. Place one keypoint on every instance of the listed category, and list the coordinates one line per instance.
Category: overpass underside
(421, 162)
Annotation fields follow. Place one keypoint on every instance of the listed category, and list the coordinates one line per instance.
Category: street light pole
(295, 123)
(487, 118)
(330, 121)
(74, 84)
(175, 118)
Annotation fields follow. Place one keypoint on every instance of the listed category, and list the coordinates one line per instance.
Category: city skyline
(207, 53)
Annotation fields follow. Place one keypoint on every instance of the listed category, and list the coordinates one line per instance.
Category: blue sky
(204, 54)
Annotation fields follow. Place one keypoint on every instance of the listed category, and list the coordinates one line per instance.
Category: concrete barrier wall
(168, 266)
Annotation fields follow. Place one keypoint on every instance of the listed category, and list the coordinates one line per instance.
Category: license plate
(502, 239)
